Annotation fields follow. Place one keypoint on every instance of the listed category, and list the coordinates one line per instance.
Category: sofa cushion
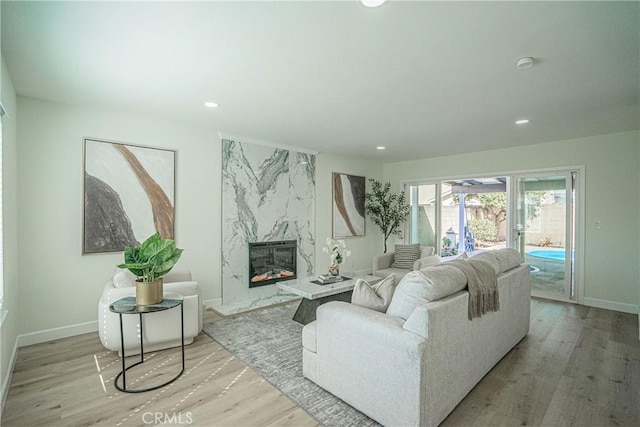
(410, 293)
(429, 284)
(508, 258)
(443, 280)
(491, 258)
(375, 297)
(405, 255)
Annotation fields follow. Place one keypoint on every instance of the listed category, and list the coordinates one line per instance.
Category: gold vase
(148, 293)
(334, 269)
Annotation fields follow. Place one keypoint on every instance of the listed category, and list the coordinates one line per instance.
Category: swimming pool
(554, 254)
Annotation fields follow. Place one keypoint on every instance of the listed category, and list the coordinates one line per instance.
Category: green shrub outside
(484, 229)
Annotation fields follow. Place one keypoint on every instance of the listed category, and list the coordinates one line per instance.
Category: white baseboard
(611, 305)
(215, 302)
(57, 333)
(7, 381)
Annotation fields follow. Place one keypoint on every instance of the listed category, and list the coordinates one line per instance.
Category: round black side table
(128, 305)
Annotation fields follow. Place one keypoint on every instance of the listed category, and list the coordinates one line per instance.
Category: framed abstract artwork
(129, 194)
(348, 205)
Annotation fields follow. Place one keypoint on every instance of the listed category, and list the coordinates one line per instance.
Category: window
(423, 217)
(1, 226)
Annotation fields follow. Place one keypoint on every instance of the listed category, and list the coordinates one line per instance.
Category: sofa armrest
(177, 276)
(381, 262)
(426, 261)
(426, 251)
(364, 356)
(366, 321)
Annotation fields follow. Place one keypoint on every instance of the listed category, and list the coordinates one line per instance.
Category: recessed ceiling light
(380, 147)
(524, 63)
(373, 3)
(522, 121)
(211, 104)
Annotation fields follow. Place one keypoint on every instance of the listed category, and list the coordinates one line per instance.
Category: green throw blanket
(483, 286)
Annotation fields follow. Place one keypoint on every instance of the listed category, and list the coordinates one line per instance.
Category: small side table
(128, 305)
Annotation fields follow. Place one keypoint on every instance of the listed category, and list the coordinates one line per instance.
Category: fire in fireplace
(271, 262)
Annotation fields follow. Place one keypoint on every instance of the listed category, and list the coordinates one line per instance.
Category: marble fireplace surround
(268, 194)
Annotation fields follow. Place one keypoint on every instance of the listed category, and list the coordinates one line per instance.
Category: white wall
(9, 327)
(362, 248)
(612, 170)
(59, 287)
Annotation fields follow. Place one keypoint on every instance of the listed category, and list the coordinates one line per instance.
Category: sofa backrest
(177, 276)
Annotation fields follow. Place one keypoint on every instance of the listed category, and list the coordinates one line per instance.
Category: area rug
(269, 341)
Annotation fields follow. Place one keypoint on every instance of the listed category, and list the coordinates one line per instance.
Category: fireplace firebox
(271, 262)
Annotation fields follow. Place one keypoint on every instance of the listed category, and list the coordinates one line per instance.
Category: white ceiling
(425, 79)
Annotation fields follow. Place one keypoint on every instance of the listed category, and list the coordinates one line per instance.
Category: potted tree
(149, 262)
(386, 209)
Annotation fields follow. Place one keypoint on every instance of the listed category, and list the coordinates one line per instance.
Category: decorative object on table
(348, 205)
(153, 259)
(326, 279)
(337, 250)
(128, 193)
(386, 209)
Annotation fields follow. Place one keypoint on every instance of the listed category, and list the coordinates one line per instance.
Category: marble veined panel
(268, 194)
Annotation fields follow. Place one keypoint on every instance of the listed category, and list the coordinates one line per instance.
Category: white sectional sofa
(414, 372)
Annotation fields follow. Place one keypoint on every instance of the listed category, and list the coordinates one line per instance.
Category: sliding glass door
(544, 231)
(536, 213)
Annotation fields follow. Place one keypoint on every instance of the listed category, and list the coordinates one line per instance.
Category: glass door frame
(405, 186)
(574, 232)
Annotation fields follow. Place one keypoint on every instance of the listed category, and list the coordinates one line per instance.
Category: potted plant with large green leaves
(153, 259)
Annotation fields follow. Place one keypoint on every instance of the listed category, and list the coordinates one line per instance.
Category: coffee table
(314, 295)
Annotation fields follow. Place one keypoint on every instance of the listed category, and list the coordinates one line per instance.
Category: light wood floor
(578, 366)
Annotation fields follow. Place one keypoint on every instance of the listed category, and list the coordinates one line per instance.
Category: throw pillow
(405, 255)
(420, 287)
(375, 297)
(508, 258)
(443, 280)
(410, 293)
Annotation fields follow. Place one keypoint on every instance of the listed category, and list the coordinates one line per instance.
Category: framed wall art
(129, 194)
(348, 205)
